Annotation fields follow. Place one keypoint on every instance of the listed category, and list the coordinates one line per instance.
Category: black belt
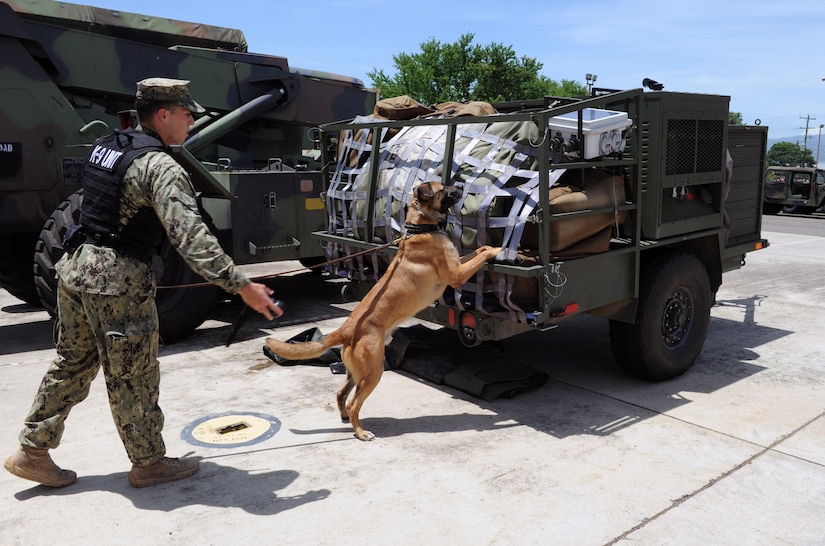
(78, 235)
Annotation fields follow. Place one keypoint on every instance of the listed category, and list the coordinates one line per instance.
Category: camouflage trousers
(120, 335)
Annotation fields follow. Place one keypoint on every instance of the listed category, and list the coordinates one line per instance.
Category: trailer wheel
(672, 319)
(180, 311)
(348, 293)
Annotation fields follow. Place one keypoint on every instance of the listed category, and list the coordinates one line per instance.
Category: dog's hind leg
(372, 366)
(342, 395)
(362, 390)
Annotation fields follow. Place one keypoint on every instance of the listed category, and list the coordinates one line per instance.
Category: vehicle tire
(771, 208)
(672, 319)
(49, 249)
(16, 266)
(180, 311)
(797, 209)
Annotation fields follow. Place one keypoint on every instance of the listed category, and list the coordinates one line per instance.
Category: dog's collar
(415, 229)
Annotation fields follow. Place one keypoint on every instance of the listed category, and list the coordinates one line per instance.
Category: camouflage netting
(496, 163)
(122, 24)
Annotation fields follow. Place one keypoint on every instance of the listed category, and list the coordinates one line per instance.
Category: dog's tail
(306, 350)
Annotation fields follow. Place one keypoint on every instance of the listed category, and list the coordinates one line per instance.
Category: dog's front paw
(365, 435)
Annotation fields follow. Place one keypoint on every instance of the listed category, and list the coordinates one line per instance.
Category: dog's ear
(424, 192)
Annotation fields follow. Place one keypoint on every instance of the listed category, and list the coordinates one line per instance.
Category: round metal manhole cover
(231, 429)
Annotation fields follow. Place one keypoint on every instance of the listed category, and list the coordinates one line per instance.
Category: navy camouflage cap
(168, 90)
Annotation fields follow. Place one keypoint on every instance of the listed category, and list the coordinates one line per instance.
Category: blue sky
(766, 55)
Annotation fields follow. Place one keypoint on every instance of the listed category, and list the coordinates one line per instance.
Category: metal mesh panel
(694, 146)
(709, 145)
(681, 147)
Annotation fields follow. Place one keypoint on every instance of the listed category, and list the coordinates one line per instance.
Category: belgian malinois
(426, 262)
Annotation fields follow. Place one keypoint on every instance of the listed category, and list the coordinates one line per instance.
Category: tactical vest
(103, 173)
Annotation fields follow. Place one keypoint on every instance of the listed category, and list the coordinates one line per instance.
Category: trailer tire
(672, 319)
(180, 311)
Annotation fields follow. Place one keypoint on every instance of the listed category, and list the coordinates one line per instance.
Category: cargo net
(495, 164)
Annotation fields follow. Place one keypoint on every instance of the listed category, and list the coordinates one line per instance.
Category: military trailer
(68, 75)
(793, 190)
(627, 205)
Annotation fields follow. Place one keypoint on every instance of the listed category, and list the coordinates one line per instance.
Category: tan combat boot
(35, 464)
(165, 470)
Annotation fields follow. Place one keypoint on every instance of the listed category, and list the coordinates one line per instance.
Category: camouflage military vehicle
(793, 190)
(68, 75)
(629, 205)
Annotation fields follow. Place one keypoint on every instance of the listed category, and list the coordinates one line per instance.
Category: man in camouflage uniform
(106, 307)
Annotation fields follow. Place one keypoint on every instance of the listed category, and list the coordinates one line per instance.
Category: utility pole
(818, 141)
(808, 120)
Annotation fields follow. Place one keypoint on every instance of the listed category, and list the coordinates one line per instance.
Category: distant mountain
(791, 139)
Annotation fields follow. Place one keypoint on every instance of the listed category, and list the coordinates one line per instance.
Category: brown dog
(426, 262)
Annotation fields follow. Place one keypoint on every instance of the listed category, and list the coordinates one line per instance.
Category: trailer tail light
(451, 321)
(569, 309)
(468, 321)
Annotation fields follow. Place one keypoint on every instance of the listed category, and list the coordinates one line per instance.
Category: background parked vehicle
(794, 190)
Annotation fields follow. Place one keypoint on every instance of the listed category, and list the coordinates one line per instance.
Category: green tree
(463, 72)
(735, 118)
(785, 154)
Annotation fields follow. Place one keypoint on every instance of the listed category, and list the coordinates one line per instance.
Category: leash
(302, 268)
(410, 230)
(245, 311)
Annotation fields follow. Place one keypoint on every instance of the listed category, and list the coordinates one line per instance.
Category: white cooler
(601, 129)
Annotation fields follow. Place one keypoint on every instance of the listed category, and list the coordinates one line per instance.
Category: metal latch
(270, 201)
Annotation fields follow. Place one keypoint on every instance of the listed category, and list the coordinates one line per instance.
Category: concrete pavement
(733, 452)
